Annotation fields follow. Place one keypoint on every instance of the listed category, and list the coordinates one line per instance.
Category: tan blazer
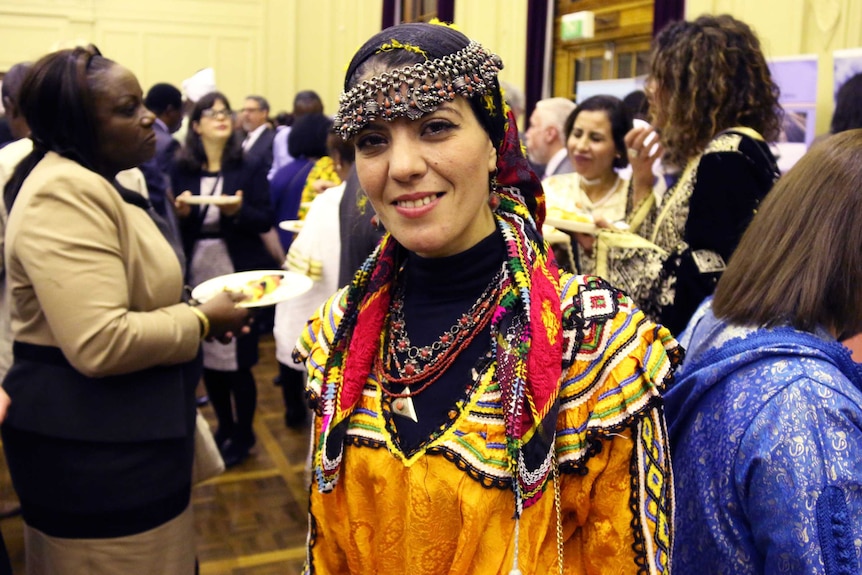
(92, 275)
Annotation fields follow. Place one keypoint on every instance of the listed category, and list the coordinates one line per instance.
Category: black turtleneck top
(437, 292)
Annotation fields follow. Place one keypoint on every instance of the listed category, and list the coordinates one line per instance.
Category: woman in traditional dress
(595, 190)
(715, 106)
(765, 419)
(478, 411)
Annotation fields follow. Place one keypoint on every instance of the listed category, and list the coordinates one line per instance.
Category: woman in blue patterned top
(765, 419)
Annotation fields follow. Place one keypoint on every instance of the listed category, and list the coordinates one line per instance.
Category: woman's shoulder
(562, 182)
(55, 176)
(316, 339)
(616, 361)
(743, 142)
(600, 319)
(811, 411)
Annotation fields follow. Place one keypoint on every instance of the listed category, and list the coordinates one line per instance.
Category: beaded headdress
(415, 90)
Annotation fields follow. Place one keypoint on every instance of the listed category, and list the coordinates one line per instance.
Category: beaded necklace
(422, 366)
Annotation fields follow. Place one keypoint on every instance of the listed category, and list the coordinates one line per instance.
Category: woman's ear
(196, 126)
(492, 158)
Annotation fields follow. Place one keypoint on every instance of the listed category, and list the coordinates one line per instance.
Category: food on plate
(257, 288)
(561, 214)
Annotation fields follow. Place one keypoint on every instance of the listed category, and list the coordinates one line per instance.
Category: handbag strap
(677, 191)
(641, 212)
(746, 131)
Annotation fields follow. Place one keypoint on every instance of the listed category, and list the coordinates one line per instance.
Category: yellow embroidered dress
(552, 457)
(449, 507)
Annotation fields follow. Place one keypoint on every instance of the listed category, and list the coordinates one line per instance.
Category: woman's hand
(586, 241)
(226, 319)
(232, 208)
(181, 208)
(4, 404)
(644, 149)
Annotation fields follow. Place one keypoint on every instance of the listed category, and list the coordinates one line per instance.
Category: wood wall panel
(500, 26)
(239, 60)
(168, 56)
(269, 47)
(25, 37)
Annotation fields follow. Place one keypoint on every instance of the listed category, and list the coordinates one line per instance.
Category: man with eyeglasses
(259, 136)
(257, 147)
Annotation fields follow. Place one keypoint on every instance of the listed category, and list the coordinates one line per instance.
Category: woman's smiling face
(591, 145)
(428, 178)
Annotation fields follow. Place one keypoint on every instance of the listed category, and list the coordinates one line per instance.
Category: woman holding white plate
(594, 192)
(223, 209)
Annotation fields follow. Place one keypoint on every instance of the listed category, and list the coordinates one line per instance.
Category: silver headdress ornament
(413, 91)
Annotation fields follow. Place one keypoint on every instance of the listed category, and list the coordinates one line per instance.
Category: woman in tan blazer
(99, 434)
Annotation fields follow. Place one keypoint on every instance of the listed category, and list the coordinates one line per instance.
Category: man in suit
(259, 136)
(546, 137)
(166, 102)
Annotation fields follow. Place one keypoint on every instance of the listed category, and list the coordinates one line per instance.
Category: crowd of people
(675, 397)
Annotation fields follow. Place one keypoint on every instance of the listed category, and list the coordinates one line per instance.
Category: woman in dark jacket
(223, 206)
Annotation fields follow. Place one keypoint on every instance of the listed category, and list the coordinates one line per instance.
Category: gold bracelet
(205, 321)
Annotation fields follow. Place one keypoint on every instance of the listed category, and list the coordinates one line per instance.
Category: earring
(375, 222)
(494, 197)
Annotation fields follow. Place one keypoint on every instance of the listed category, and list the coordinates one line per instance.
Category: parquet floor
(252, 519)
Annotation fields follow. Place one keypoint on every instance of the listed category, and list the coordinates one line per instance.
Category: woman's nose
(405, 159)
(148, 118)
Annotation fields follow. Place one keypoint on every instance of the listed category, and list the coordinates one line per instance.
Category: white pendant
(403, 406)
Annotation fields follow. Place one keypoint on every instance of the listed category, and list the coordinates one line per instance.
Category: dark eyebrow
(448, 107)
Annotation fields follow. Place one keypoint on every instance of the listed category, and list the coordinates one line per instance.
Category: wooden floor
(252, 519)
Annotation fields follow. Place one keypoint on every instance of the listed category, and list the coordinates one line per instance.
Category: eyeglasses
(217, 114)
(250, 110)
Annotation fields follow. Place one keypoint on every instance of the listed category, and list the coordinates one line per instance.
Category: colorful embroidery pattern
(652, 485)
(611, 384)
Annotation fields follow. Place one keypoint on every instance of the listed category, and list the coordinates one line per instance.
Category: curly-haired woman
(714, 104)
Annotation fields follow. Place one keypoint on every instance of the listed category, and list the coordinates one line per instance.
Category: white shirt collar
(252, 137)
(555, 161)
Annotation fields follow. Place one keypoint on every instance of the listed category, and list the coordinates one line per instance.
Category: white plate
(291, 225)
(572, 225)
(555, 236)
(214, 200)
(291, 284)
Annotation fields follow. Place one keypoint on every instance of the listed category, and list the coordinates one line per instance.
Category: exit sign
(577, 25)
